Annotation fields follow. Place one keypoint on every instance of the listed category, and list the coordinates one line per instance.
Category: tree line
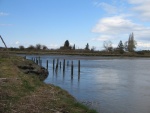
(36, 47)
(129, 46)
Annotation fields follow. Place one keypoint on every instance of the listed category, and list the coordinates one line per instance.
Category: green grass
(24, 93)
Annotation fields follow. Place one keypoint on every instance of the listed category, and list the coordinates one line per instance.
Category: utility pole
(4, 44)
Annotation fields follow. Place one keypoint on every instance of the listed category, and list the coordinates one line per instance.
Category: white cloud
(137, 1)
(114, 25)
(17, 42)
(141, 7)
(103, 38)
(143, 45)
(3, 14)
(120, 26)
(107, 7)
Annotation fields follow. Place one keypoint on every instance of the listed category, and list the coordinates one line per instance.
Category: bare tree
(108, 46)
(44, 47)
(130, 45)
(74, 47)
(21, 47)
(93, 48)
(31, 47)
(38, 46)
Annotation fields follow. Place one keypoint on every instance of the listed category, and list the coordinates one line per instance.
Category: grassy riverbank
(25, 93)
(82, 53)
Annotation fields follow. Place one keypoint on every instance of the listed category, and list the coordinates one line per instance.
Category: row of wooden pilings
(57, 65)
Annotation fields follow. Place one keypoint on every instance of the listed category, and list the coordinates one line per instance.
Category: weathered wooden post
(53, 64)
(78, 76)
(36, 61)
(5, 45)
(57, 64)
(67, 63)
(64, 66)
(60, 64)
(47, 65)
(79, 66)
(40, 63)
(72, 68)
(39, 60)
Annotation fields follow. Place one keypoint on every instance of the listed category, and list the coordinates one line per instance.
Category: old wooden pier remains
(58, 65)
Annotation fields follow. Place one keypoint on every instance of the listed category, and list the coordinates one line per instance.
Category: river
(109, 85)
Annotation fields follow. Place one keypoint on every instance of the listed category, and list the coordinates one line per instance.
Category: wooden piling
(67, 63)
(64, 66)
(53, 64)
(39, 60)
(60, 65)
(72, 68)
(57, 64)
(47, 65)
(36, 61)
(40, 63)
(78, 66)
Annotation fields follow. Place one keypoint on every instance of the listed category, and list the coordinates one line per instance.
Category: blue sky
(51, 22)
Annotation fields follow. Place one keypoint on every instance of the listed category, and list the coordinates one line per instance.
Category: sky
(52, 22)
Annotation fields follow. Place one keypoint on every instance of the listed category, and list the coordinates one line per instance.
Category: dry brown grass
(22, 93)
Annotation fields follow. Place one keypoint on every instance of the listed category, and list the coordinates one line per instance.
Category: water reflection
(108, 85)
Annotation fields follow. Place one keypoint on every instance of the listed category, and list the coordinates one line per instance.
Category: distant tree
(21, 47)
(66, 44)
(108, 46)
(87, 47)
(121, 47)
(38, 46)
(130, 45)
(74, 47)
(31, 47)
(44, 47)
(13, 48)
(93, 48)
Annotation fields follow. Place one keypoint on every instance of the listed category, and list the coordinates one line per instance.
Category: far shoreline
(75, 53)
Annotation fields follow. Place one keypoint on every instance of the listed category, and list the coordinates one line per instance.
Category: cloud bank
(121, 23)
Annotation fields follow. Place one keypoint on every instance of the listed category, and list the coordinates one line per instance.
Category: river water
(109, 85)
